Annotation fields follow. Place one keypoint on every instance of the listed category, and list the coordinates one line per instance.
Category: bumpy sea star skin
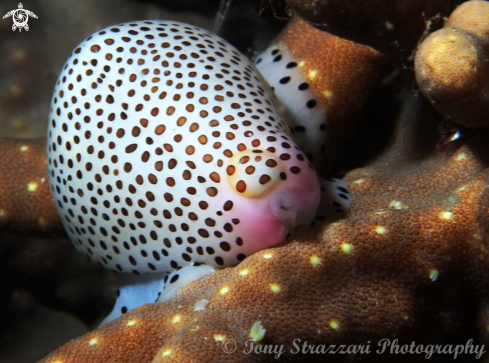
(452, 67)
(417, 223)
(392, 27)
(323, 91)
(26, 204)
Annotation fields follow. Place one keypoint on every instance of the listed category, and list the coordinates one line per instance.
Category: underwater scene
(244, 181)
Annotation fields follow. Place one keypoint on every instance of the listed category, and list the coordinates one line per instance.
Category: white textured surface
(300, 106)
(145, 119)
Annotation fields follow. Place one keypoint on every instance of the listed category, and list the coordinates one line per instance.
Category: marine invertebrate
(452, 66)
(417, 224)
(322, 90)
(208, 157)
(165, 150)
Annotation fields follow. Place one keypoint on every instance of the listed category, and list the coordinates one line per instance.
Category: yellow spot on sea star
(445, 215)
(2, 213)
(312, 74)
(243, 272)
(24, 148)
(380, 230)
(274, 287)
(268, 255)
(166, 353)
(219, 337)
(460, 156)
(346, 247)
(358, 181)
(257, 331)
(224, 290)
(32, 186)
(334, 324)
(41, 221)
(176, 319)
(301, 63)
(195, 328)
(93, 341)
(315, 260)
(131, 322)
(328, 93)
(397, 204)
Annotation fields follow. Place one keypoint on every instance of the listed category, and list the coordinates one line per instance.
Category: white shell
(144, 120)
(307, 116)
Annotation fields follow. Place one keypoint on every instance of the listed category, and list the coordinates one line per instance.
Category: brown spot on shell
(241, 186)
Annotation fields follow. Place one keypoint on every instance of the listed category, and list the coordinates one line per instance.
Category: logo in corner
(20, 17)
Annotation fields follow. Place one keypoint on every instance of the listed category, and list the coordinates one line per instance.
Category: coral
(452, 67)
(26, 204)
(417, 226)
(392, 27)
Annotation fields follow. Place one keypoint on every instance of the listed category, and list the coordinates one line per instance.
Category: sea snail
(166, 150)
